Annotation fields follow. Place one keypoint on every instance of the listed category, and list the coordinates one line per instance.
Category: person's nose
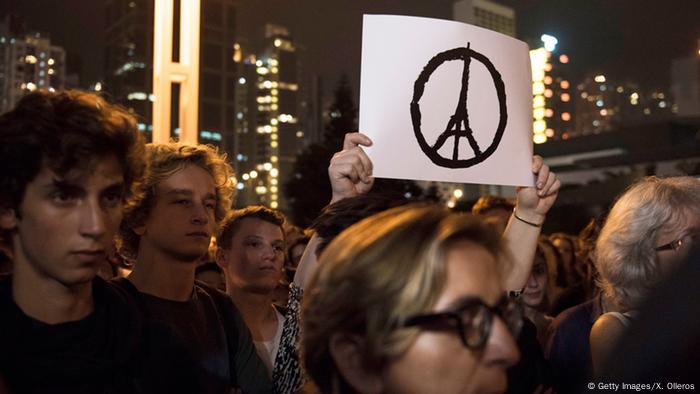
(531, 281)
(269, 252)
(501, 350)
(93, 219)
(199, 214)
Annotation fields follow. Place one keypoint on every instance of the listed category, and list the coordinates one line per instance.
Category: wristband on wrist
(515, 214)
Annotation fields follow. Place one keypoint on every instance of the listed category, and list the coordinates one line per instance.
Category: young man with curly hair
(67, 163)
(168, 227)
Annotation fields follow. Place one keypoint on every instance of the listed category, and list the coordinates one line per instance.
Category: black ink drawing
(458, 125)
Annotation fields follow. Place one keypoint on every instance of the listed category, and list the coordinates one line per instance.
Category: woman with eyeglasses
(411, 301)
(649, 231)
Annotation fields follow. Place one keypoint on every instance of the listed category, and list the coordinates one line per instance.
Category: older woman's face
(438, 362)
(688, 231)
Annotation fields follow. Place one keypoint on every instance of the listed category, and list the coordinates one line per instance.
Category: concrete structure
(129, 66)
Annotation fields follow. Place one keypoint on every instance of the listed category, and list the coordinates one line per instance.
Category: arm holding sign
(525, 223)
(350, 173)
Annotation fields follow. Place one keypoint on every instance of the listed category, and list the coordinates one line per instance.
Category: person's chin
(190, 254)
(77, 277)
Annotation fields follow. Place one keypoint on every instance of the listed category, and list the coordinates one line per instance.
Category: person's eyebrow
(62, 184)
(462, 302)
(174, 192)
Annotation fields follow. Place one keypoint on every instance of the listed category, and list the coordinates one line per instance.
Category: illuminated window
(564, 84)
(539, 138)
(566, 116)
(565, 97)
(564, 59)
(548, 93)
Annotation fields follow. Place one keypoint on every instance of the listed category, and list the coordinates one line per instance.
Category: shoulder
(221, 299)
(606, 330)
(573, 316)
(607, 325)
(223, 303)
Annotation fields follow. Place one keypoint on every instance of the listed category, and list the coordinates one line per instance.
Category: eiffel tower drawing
(458, 125)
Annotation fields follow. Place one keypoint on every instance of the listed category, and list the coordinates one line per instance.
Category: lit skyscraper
(551, 89)
(271, 153)
(28, 61)
(486, 14)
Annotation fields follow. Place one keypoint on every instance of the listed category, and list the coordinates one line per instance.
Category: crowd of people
(126, 270)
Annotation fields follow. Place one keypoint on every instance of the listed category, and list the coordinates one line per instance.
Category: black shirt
(216, 342)
(106, 352)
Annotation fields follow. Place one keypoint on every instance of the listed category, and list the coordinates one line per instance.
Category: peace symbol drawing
(445, 101)
(458, 125)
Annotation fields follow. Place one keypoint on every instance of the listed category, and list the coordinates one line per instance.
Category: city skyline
(616, 38)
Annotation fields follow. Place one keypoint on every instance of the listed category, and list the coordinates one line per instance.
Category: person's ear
(137, 225)
(345, 350)
(221, 258)
(8, 219)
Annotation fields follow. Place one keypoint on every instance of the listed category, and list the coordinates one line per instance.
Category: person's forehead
(107, 170)
(251, 226)
(689, 223)
(472, 271)
(188, 180)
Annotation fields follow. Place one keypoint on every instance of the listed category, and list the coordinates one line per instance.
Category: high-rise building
(129, 65)
(278, 136)
(603, 104)
(28, 61)
(685, 85)
(486, 14)
(553, 104)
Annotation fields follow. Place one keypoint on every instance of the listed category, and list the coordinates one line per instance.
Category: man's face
(254, 261)
(66, 224)
(182, 220)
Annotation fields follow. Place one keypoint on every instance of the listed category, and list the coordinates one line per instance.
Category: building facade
(269, 131)
(553, 101)
(28, 61)
(129, 66)
(486, 14)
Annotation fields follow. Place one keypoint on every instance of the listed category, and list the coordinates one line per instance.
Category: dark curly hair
(64, 131)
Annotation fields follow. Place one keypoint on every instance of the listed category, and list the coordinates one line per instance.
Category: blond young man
(168, 227)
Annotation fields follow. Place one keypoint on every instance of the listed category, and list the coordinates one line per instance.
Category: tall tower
(129, 65)
(278, 133)
(553, 108)
(486, 14)
(28, 61)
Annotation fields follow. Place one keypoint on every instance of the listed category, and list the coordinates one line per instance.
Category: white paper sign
(445, 101)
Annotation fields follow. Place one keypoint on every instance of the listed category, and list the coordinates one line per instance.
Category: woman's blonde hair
(163, 160)
(375, 275)
(625, 258)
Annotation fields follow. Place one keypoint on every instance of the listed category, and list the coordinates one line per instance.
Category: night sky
(631, 40)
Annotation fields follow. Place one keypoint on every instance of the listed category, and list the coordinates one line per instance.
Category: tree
(309, 190)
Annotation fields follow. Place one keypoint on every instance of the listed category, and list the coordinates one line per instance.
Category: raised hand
(350, 170)
(533, 203)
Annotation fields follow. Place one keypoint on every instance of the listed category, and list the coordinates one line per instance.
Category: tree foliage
(309, 190)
